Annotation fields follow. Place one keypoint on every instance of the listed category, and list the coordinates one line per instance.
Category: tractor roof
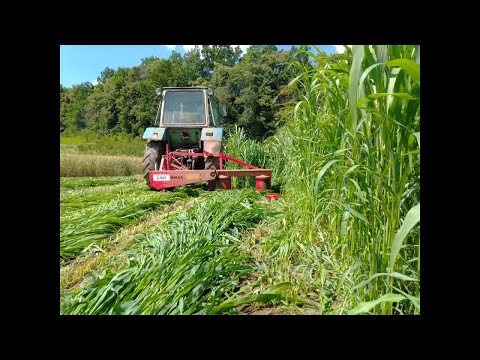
(185, 87)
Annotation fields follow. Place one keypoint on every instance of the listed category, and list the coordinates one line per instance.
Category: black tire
(151, 159)
(212, 163)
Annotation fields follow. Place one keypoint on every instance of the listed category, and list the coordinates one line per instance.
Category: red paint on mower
(173, 173)
(273, 196)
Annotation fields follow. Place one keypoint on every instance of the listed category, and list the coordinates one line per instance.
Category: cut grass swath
(80, 182)
(84, 198)
(100, 223)
(188, 265)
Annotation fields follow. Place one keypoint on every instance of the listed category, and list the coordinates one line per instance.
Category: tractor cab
(186, 107)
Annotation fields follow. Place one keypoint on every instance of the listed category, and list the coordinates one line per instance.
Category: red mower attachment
(172, 173)
(273, 196)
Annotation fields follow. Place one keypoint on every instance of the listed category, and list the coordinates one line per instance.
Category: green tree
(218, 54)
(250, 88)
(72, 102)
(255, 52)
(105, 74)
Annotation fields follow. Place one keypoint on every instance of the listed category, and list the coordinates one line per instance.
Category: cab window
(184, 108)
(214, 116)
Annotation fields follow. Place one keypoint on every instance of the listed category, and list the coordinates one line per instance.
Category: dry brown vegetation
(99, 165)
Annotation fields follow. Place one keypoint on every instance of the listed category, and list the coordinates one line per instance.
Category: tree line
(252, 86)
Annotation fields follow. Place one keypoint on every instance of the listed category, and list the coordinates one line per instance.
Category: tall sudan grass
(356, 132)
(348, 161)
(240, 147)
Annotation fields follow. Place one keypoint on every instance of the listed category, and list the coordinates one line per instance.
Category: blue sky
(82, 63)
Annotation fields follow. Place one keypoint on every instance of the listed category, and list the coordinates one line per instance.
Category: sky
(82, 63)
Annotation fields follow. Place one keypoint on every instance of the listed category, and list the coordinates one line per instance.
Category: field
(344, 238)
(127, 250)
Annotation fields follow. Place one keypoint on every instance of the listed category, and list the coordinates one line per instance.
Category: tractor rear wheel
(151, 159)
(212, 163)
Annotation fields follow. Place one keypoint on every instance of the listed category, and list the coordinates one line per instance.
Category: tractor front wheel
(151, 159)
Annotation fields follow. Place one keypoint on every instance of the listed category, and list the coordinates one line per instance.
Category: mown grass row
(72, 201)
(348, 162)
(82, 182)
(113, 252)
(93, 225)
(190, 264)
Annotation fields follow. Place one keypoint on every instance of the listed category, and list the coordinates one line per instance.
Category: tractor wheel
(151, 159)
(212, 163)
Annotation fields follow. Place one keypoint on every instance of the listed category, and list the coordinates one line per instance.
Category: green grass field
(344, 238)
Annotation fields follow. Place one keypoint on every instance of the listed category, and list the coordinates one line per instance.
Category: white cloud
(340, 48)
(171, 47)
(95, 82)
(190, 47)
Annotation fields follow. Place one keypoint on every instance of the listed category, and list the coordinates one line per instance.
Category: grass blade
(411, 219)
(411, 67)
(395, 275)
(367, 306)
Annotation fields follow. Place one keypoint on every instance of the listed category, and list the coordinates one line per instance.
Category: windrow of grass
(191, 263)
(72, 201)
(75, 165)
(93, 225)
(82, 182)
(348, 163)
(112, 253)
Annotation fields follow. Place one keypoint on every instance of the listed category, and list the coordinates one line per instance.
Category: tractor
(185, 145)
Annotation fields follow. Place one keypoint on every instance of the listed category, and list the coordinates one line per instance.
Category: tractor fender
(212, 139)
(155, 133)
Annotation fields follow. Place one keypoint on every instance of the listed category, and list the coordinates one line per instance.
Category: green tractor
(187, 121)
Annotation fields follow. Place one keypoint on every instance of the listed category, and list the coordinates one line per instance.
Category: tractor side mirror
(223, 110)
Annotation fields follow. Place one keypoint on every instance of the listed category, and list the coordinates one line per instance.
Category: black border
(31, 280)
(34, 281)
